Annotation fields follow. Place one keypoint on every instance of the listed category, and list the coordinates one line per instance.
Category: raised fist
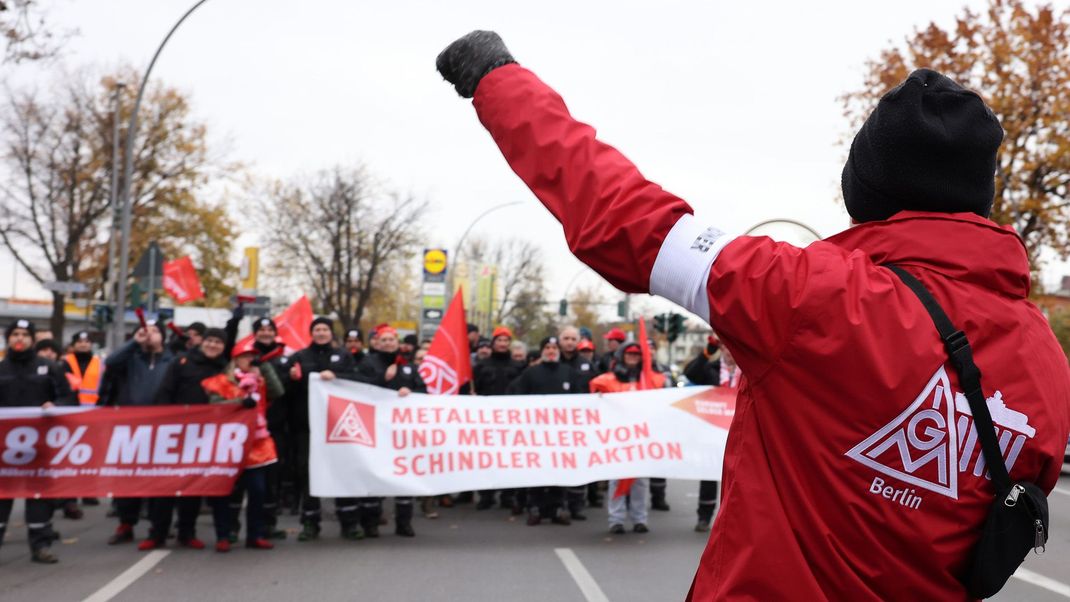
(464, 62)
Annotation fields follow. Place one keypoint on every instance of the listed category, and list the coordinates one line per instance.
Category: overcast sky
(731, 105)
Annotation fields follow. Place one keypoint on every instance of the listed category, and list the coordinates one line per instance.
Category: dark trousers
(546, 500)
(576, 498)
(657, 489)
(347, 508)
(38, 521)
(371, 510)
(163, 508)
(225, 510)
(707, 499)
(129, 509)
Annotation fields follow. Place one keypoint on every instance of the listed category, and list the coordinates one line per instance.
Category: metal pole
(116, 218)
(151, 305)
(128, 167)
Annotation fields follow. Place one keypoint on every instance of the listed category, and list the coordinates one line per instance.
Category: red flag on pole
(646, 381)
(448, 365)
(180, 280)
(292, 325)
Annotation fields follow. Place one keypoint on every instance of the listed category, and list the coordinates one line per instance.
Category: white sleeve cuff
(682, 268)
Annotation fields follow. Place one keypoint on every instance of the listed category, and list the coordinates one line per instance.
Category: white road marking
(587, 584)
(1062, 491)
(128, 577)
(1042, 581)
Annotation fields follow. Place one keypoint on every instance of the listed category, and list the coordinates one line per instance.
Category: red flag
(448, 364)
(293, 326)
(646, 381)
(180, 280)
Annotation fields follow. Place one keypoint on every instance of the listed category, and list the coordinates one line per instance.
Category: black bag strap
(958, 348)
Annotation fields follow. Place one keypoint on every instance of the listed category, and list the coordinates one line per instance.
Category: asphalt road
(463, 555)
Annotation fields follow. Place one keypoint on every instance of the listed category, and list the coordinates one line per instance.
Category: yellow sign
(403, 324)
(250, 268)
(434, 261)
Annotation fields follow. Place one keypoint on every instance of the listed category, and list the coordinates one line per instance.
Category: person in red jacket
(852, 469)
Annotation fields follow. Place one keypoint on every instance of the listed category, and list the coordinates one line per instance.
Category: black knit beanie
(930, 145)
(19, 323)
(322, 320)
(216, 333)
(262, 322)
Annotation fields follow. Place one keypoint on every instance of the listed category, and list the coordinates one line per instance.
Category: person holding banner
(133, 374)
(491, 377)
(624, 376)
(323, 357)
(385, 367)
(548, 377)
(30, 381)
(841, 360)
(183, 384)
(255, 385)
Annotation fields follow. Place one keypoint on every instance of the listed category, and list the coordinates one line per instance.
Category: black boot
(403, 517)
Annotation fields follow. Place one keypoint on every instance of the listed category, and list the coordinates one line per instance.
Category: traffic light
(562, 309)
(676, 326)
(659, 323)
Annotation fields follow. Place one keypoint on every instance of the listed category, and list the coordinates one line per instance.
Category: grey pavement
(464, 554)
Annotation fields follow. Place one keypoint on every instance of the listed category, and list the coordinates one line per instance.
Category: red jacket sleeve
(614, 219)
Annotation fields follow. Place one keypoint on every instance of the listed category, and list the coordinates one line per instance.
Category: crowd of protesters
(201, 365)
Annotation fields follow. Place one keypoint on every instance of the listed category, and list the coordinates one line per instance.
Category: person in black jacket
(492, 376)
(330, 362)
(28, 380)
(385, 367)
(705, 369)
(549, 377)
(182, 385)
(585, 369)
(280, 475)
(354, 343)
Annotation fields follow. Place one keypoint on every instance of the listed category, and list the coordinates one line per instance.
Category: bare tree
(339, 236)
(54, 198)
(25, 31)
(521, 281)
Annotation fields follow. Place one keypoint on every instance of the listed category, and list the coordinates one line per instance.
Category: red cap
(585, 345)
(501, 331)
(384, 329)
(615, 334)
(243, 347)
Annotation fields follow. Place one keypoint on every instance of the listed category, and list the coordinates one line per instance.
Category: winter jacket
(133, 375)
(584, 370)
(546, 378)
(262, 389)
(314, 358)
(183, 382)
(373, 371)
(28, 380)
(704, 370)
(277, 410)
(851, 469)
(493, 375)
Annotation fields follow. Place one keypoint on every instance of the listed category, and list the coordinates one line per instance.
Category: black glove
(464, 62)
(238, 313)
(248, 403)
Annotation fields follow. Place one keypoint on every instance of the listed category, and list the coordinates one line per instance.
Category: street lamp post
(118, 324)
(460, 241)
(116, 216)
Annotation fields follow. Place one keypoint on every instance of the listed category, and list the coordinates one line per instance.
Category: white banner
(368, 441)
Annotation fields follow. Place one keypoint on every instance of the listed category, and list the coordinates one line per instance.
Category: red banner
(123, 452)
(448, 365)
(180, 280)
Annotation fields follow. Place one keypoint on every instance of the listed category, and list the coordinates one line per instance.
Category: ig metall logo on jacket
(934, 440)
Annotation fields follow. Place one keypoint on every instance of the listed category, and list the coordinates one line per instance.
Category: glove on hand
(248, 403)
(464, 62)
